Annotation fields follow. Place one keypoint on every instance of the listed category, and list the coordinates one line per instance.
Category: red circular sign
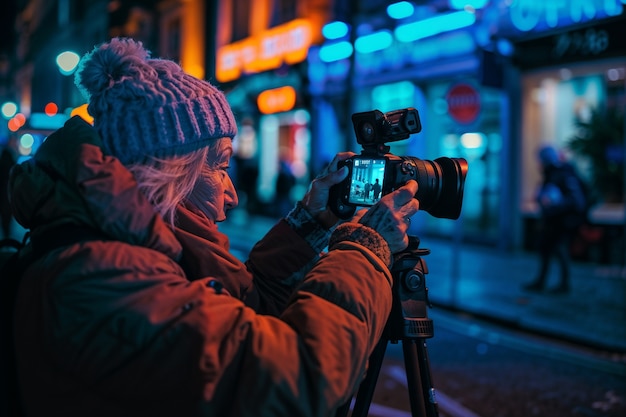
(463, 103)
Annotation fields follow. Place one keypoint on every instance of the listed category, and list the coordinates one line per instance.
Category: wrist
(308, 227)
(365, 236)
(326, 219)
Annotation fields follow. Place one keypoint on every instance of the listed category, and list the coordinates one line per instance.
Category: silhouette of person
(562, 204)
(367, 189)
(376, 189)
(284, 183)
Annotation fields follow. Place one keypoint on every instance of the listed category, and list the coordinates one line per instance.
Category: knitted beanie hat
(146, 107)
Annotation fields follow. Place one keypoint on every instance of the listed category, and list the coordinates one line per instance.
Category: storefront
(264, 80)
(573, 83)
(462, 114)
(490, 86)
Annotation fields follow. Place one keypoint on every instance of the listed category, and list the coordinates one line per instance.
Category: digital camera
(376, 172)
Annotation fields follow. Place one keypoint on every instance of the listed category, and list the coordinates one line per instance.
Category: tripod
(408, 322)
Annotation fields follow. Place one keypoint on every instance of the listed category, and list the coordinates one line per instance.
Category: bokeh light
(67, 62)
(51, 109)
(9, 109)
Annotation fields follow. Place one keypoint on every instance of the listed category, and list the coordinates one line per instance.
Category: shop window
(554, 100)
(284, 150)
(478, 139)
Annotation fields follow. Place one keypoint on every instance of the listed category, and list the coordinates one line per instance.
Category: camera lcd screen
(366, 182)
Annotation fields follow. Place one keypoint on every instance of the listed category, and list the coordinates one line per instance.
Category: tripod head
(409, 318)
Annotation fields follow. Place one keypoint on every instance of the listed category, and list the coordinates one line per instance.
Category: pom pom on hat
(146, 107)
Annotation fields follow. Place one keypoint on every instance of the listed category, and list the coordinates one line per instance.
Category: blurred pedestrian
(150, 314)
(285, 181)
(562, 207)
(376, 188)
(7, 160)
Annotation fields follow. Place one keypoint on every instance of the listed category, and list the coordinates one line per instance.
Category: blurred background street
(492, 81)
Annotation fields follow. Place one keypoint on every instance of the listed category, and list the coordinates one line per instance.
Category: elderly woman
(139, 309)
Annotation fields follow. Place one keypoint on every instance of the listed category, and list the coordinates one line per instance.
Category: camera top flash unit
(374, 127)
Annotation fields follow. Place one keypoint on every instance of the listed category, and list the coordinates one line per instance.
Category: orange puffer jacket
(150, 321)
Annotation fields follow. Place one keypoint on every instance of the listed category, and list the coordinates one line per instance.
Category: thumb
(359, 214)
(334, 177)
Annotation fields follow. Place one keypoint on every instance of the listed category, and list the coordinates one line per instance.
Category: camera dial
(408, 168)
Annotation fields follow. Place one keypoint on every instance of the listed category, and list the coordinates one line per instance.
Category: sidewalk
(487, 283)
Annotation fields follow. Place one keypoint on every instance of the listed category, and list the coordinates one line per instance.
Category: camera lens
(441, 184)
(367, 131)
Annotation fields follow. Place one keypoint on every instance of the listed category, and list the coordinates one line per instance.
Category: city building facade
(492, 81)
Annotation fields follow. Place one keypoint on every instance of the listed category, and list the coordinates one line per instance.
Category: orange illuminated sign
(288, 43)
(276, 100)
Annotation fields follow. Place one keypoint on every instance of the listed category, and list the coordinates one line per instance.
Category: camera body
(376, 172)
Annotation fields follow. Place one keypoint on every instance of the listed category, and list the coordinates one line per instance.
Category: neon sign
(288, 43)
(589, 42)
(277, 100)
(602, 40)
(527, 15)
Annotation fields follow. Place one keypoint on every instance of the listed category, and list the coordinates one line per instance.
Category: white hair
(167, 182)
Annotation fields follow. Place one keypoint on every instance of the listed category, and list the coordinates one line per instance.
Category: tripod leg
(366, 389)
(419, 379)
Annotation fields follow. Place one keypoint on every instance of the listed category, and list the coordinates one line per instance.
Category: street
(502, 353)
(479, 369)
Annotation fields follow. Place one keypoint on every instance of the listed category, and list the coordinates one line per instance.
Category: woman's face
(216, 189)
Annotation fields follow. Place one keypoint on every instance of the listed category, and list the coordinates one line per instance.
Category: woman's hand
(391, 216)
(316, 198)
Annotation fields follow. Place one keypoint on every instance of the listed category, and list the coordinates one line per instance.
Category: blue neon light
(528, 15)
(505, 47)
(388, 96)
(335, 30)
(434, 25)
(336, 51)
(462, 4)
(400, 10)
(373, 42)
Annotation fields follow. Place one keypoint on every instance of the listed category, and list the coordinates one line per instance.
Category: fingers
(323, 184)
(316, 198)
(391, 216)
(359, 214)
(341, 156)
(331, 176)
(332, 167)
(405, 193)
(409, 209)
(335, 177)
(404, 201)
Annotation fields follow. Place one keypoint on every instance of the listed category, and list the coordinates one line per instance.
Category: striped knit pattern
(144, 107)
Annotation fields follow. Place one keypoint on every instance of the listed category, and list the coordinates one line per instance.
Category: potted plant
(600, 142)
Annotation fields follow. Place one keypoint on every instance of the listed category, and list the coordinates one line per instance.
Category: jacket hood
(71, 181)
